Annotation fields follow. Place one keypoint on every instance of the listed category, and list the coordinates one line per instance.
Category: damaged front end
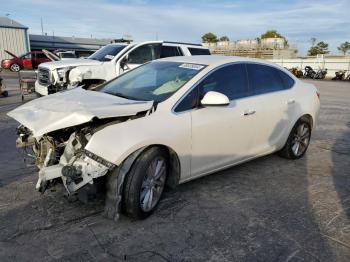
(56, 130)
(61, 155)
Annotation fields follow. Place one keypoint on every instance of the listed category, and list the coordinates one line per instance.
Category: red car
(29, 60)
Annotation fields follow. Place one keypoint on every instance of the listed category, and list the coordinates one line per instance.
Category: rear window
(168, 51)
(287, 80)
(264, 79)
(199, 51)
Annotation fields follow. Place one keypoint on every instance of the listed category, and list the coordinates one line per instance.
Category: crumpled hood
(73, 107)
(69, 63)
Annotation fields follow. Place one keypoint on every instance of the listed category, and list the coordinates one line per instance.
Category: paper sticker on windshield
(109, 57)
(192, 66)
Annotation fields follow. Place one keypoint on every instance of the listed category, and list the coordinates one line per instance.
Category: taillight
(318, 94)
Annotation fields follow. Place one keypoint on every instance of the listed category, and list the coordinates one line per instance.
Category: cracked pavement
(269, 209)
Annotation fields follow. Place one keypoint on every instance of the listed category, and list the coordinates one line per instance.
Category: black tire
(15, 68)
(134, 181)
(5, 94)
(287, 151)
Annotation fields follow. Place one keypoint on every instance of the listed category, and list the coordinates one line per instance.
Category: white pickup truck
(107, 63)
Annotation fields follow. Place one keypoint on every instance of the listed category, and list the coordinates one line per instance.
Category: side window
(264, 79)
(145, 54)
(168, 51)
(188, 102)
(198, 51)
(27, 56)
(287, 80)
(40, 55)
(230, 80)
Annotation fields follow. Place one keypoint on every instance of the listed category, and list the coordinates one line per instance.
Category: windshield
(107, 53)
(155, 81)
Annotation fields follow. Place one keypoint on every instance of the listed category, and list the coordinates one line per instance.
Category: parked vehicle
(29, 60)
(107, 63)
(165, 123)
(321, 74)
(296, 72)
(59, 55)
(309, 72)
(339, 75)
(65, 55)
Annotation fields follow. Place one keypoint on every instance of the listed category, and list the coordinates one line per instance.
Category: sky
(181, 20)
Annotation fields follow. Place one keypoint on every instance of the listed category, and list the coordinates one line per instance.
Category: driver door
(139, 55)
(27, 61)
(222, 135)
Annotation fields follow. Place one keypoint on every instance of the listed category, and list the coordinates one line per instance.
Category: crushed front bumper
(74, 176)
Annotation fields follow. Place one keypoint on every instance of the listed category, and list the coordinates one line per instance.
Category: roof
(210, 59)
(62, 42)
(183, 43)
(72, 39)
(10, 23)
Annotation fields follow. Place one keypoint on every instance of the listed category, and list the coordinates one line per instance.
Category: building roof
(62, 42)
(10, 23)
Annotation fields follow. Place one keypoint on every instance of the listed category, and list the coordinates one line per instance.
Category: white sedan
(165, 123)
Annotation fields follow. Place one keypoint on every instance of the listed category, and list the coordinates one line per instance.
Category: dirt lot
(270, 209)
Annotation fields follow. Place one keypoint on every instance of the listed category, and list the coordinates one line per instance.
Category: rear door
(273, 103)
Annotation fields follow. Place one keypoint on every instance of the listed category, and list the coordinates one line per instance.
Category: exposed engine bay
(60, 155)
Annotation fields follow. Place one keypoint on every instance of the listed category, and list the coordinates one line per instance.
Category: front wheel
(298, 141)
(15, 68)
(145, 183)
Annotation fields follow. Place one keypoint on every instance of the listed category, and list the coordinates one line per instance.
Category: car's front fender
(116, 142)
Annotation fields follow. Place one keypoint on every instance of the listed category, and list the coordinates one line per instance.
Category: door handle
(249, 112)
(290, 101)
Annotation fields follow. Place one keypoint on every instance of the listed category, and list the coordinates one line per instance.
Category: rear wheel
(15, 68)
(145, 183)
(298, 141)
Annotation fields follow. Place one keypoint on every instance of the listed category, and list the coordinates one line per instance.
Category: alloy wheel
(153, 184)
(15, 68)
(301, 139)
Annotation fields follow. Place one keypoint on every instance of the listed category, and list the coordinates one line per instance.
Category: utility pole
(42, 26)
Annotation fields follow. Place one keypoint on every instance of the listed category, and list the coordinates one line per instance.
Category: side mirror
(213, 98)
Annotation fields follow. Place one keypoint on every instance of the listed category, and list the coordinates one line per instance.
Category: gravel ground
(269, 209)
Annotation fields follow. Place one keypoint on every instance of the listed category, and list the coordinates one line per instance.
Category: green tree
(209, 38)
(344, 47)
(318, 49)
(224, 38)
(313, 41)
(273, 34)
